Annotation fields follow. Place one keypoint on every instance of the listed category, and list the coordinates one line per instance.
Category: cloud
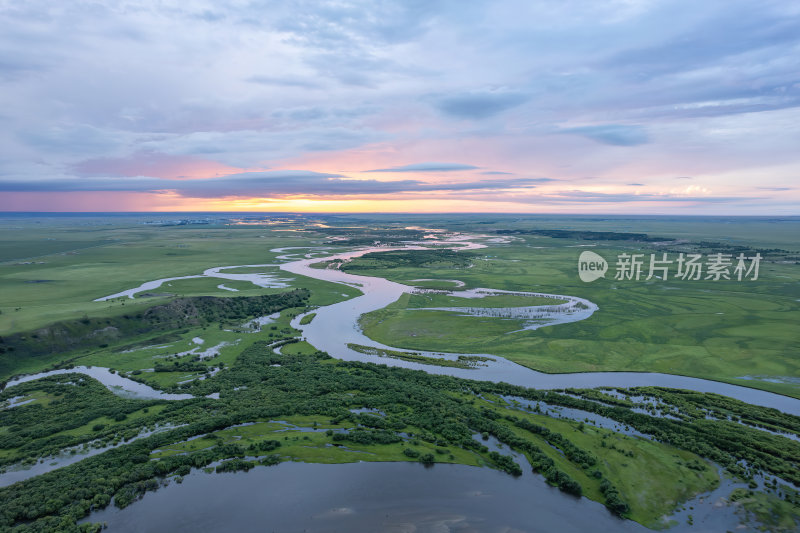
(260, 184)
(479, 104)
(152, 164)
(288, 81)
(590, 196)
(73, 139)
(426, 167)
(709, 42)
(288, 137)
(342, 84)
(611, 134)
(636, 184)
(775, 188)
(578, 198)
(350, 67)
(12, 69)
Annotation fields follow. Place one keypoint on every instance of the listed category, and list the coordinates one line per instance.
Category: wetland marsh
(224, 390)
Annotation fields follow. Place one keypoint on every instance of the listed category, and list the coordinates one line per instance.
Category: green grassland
(298, 348)
(725, 330)
(438, 284)
(771, 232)
(41, 286)
(740, 332)
(54, 286)
(463, 361)
(499, 300)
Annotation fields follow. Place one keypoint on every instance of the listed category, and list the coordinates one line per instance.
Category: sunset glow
(511, 106)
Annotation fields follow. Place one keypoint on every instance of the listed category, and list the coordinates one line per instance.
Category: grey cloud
(259, 184)
(284, 82)
(335, 23)
(426, 167)
(694, 102)
(11, 69)
(479, 104)
(309, 113)
(567, 198)
(303, 115)
(210, 16)
(347, 41)
(612, 134)
(253, 147)
(351, 67)
(74, 139)
(730, 59)
(587, 196)
(733, 31)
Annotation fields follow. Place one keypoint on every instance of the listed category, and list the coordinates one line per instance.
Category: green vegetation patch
(306, 402)
(462, 361)
(52, 341)
(495, 300)
(767, 512)
(434, 258)
(632, 463)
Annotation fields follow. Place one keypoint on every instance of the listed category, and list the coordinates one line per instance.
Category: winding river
(336, 326)
(120, 385)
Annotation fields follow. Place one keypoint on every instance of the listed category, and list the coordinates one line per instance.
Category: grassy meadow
(741, 332)
(42, 283)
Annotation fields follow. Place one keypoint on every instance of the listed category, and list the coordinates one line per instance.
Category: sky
(532, 106)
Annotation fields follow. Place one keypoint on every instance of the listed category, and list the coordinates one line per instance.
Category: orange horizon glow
(568, 191)
(98, 201)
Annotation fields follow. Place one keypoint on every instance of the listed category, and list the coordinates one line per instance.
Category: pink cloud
(83, 201)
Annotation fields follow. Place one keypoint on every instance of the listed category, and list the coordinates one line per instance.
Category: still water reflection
(374, 497)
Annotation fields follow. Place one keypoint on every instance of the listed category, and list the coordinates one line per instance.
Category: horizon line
(438, 213)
